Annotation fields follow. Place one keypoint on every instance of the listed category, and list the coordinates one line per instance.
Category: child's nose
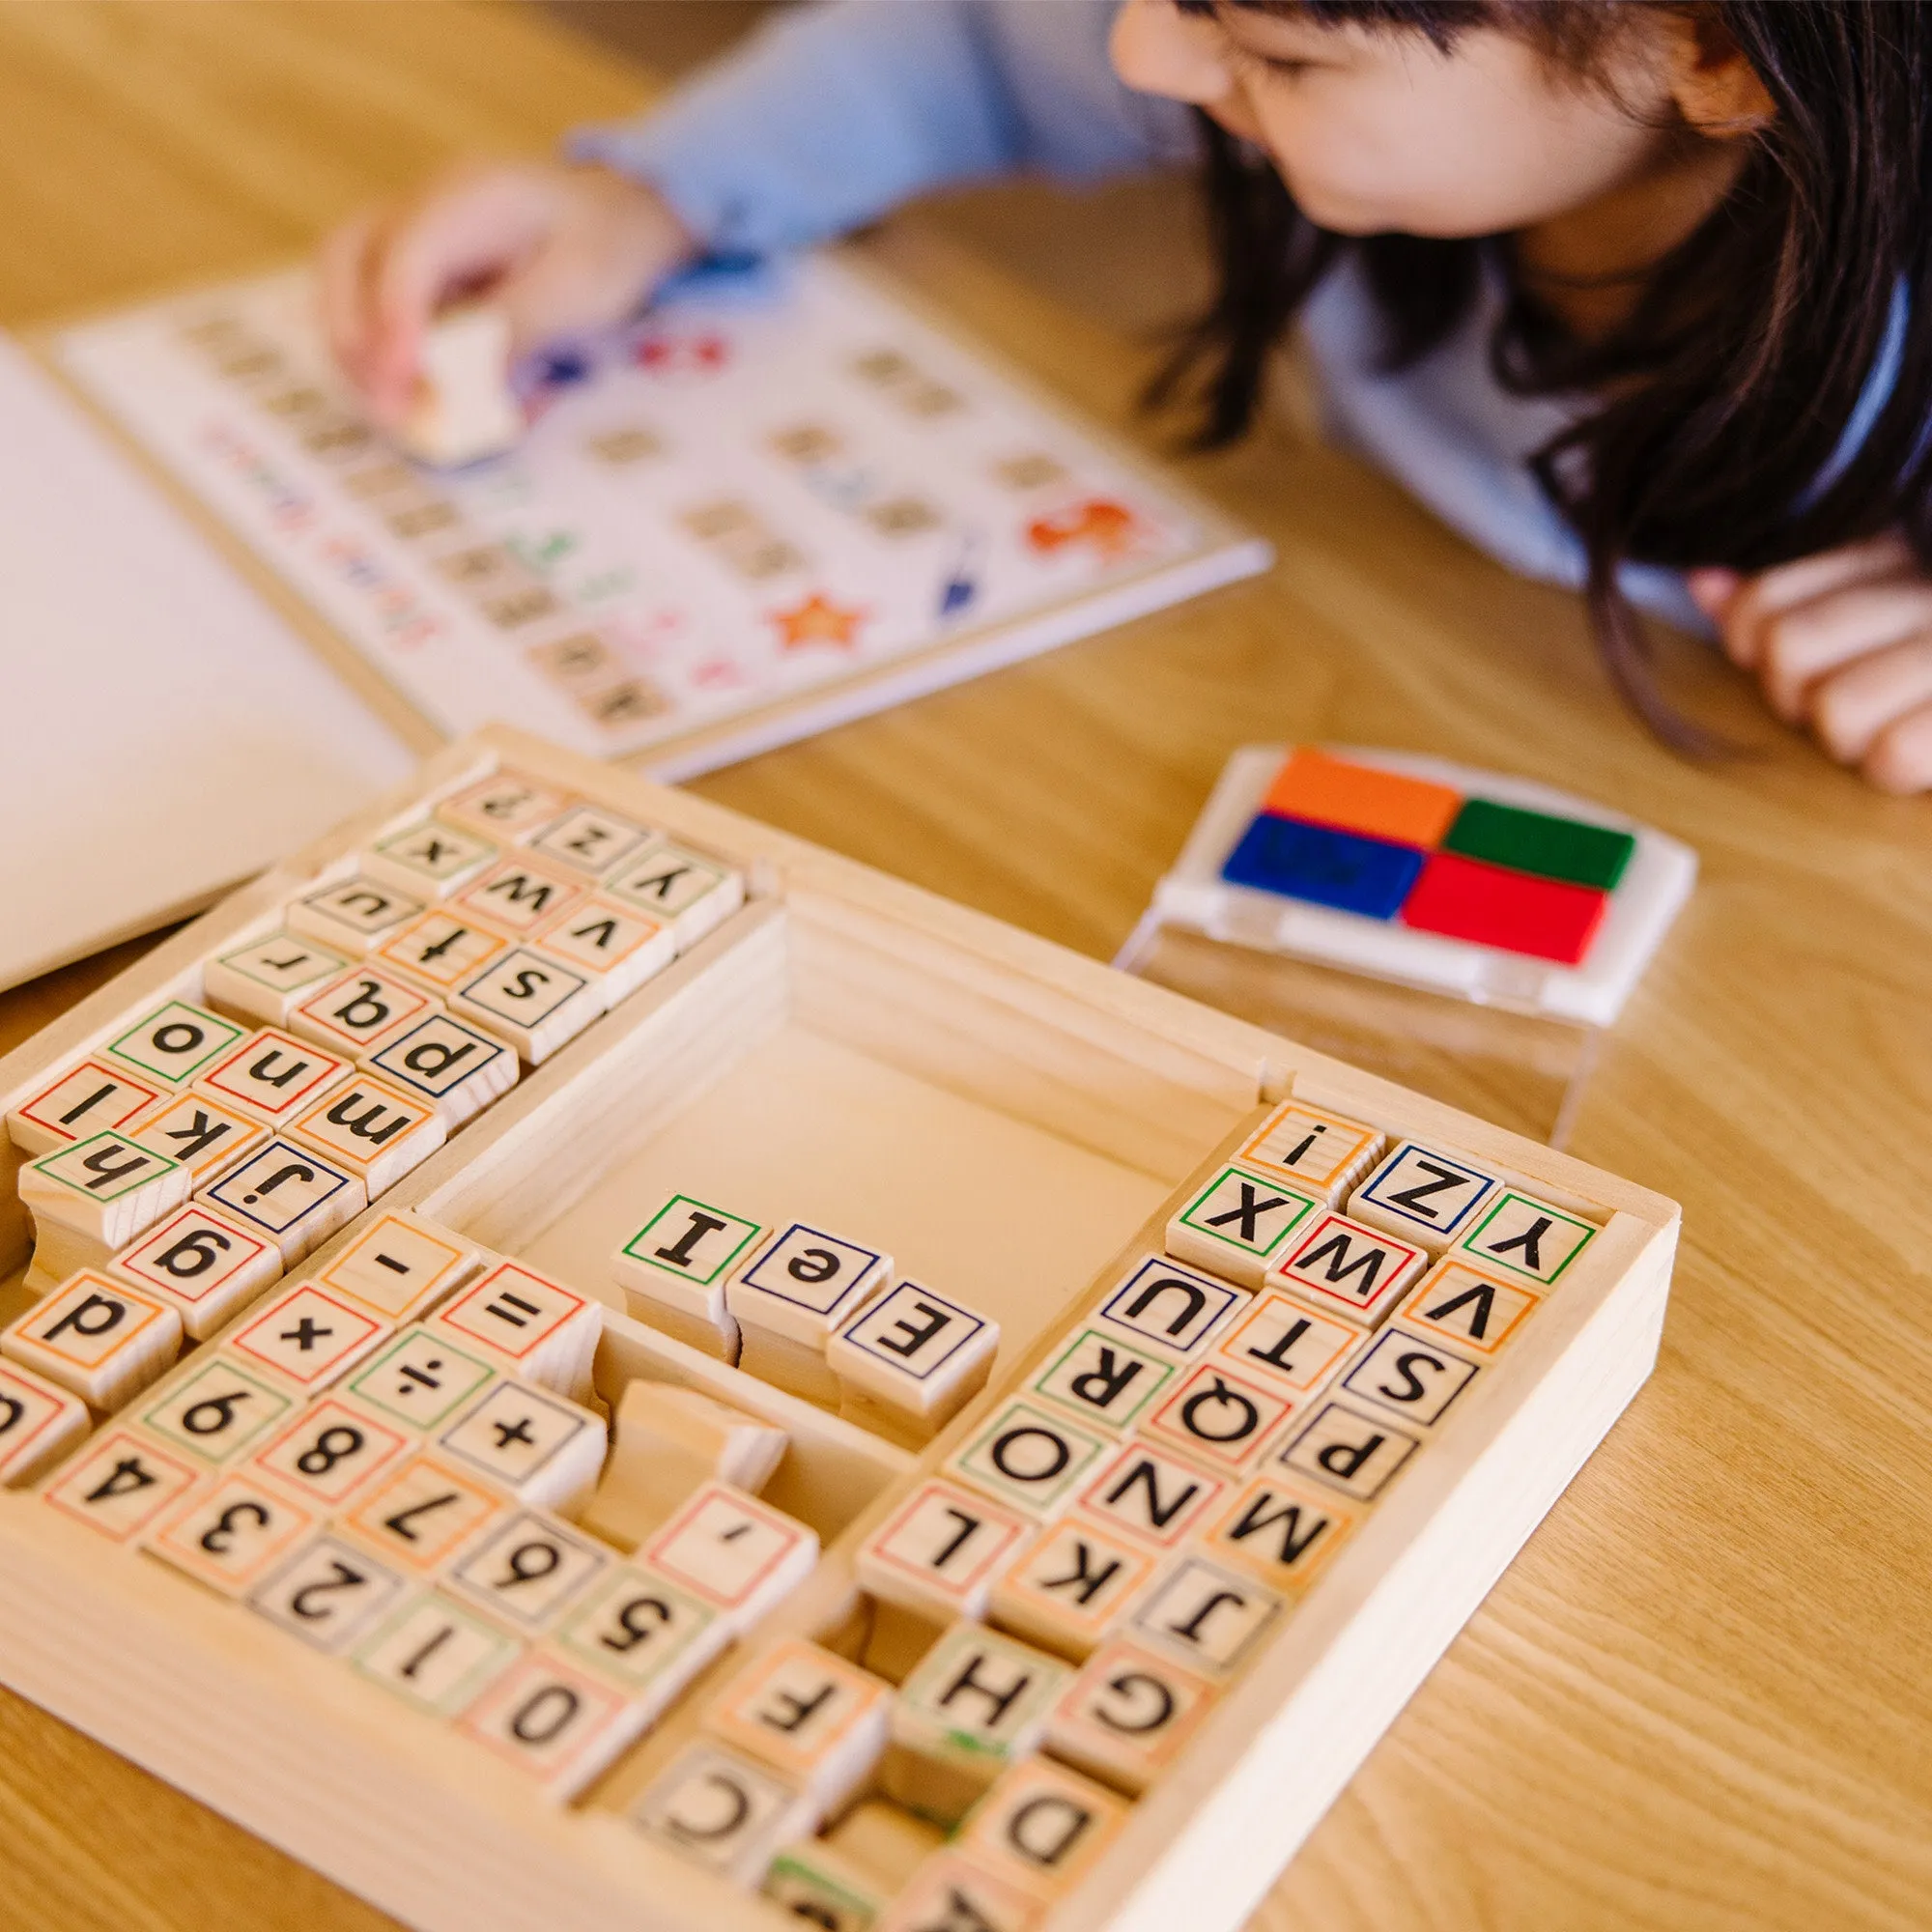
(1159, 48)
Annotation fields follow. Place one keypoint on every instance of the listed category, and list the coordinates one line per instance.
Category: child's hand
(1842, 642)
(558, 249)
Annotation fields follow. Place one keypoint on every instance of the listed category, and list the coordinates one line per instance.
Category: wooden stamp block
(690, 895)
(1044, 1828)
(268, 978)
(590, 841)
(1344, 1267)
(1423, 1195)
(40, 1421)
(1408, 1376)
(1102, 1379)
(1283, 1530)
(1322, 1153)
(909, 1361)
(817, 1720)
(674, 1268)
(457, 1068)
(275, 1076)
(1526, 1238)
(330, 1453)
(1066, 1590)
(424, 1515)
(739, 1556)
(330, 1593)
(527, 1572)
(96, 1339)
(119, 1484)
(464, 408)
(555, 1721)
(215, 1411)
(371, 1129)
(1238, 1224)
(203, 1261)
(528, 1325)
(1150, 1495)
(669, 1441)
(723, 1812)
(1477, 1311)
(1351, 1450)
(1202, 1615)
(1170, 1309)
(508, 806)
(1220, 1419)
(430, 859)
(642, 1635)
(616, 945)
(400, 1267)
(422, 1380)
(974, 1704)
(205, 1135)
(533, 1001)
(93, 1098)
(1029, 1458)
(173, 1045)
(307, 1336)
(952, 1892)
(1282, 1340)
(1127, 1716)
(441, 950)
(939, 1552)
(517, 896)
(809, 1880)
(360, 1011)
(104, 1189)
(438, 1657)
(798, 1291)
(230, 1536)
(532, 1445)
(354, 916)
(287, 1191)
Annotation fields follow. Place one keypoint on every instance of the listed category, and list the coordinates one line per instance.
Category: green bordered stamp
(1527, 1237)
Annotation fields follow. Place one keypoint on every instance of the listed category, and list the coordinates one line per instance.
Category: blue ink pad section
(1343, 870)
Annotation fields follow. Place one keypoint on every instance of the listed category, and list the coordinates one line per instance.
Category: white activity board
(779, 500)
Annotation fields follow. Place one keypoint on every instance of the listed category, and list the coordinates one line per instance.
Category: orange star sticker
(817, 621)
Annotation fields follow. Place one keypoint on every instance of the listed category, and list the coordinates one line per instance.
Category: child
(1637, 296)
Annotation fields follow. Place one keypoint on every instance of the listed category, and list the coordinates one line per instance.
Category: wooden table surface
(1702, 1696)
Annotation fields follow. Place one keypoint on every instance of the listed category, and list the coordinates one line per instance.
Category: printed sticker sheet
(774, 487)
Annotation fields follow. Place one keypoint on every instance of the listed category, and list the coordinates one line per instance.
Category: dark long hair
(1725, 392)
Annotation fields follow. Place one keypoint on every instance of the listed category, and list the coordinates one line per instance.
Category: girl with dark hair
(1637, 296)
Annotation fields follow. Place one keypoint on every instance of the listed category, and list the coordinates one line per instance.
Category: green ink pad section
(1533, 841)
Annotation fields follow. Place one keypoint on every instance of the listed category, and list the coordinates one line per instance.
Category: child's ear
(1715, 88)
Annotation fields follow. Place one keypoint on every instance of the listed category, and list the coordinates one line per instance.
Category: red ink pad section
(1357, 798)
(1515, 912)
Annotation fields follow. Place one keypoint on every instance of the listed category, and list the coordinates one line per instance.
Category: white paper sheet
(164, 733)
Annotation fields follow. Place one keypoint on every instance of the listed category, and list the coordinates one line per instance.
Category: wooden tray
(1015, 1121)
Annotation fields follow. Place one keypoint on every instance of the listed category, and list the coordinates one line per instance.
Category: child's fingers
(460, 236)
(342, 265)
(1799, 646)
(1852, 708)
(1785, 587)
(1900, 759)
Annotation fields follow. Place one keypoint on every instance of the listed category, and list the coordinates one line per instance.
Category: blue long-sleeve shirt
(831, 116)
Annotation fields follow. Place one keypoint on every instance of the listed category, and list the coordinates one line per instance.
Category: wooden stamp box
(1018, 1127)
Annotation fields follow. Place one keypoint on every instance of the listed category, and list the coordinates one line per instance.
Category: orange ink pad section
(1357, 798)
